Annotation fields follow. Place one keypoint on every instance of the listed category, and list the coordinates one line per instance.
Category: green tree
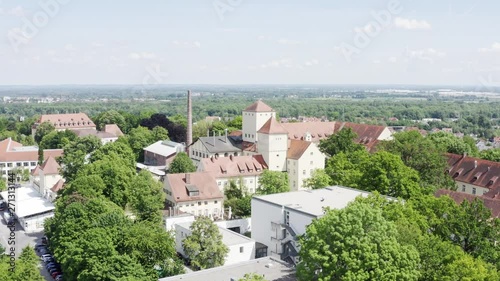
(43, 129)
(27, 266)
(421, 154)
(204, 245)
(110, 117)
(271, 182)
(386, 173)
(238, 199)
(139, 138)
(57, 139)
(252, 277)
(490, 154)
(181, 164)
(3, 185)
(449, 143)
(117, 149)
(147, 197)
(356, 244)
(345, 168)
(343, 141)
(319, 179)
(159, 133)
(75, 155)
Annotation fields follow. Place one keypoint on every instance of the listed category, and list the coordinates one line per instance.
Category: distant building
(474, 175)
(110, 133)
(271, 269)
(70, 121)
(194, 193)
(281, 144)
(279, 219)
(162, 153)
(493, 204)
(14, 155)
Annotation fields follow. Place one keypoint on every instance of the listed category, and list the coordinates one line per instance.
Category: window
(277, 155)
(206, 202)
(303, 172)
(26, 164)
(251, 181)
(199, 203)
(312, 153)
(215, 202)
(241, 249)
(473, 190)
(463, 188)
(19, 164)
(312, 162)
(33, 163)
(2, 165)
(219, 183)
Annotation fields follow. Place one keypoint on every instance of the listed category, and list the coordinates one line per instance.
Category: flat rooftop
(229, 238)
(271, 269)
(29, 202)
(312, 202)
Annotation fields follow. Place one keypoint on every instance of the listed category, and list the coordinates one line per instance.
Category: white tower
(273, 144)
(254, 118)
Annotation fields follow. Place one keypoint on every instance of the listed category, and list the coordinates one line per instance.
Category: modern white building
(47, 179)
(278, 219)
(31, 208)
(162, 153)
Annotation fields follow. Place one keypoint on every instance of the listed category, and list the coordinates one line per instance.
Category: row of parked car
(51, 264)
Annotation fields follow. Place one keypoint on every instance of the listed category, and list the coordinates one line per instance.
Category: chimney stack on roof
(231, 157)
(189, 133)
(475, 164)
(188, 178)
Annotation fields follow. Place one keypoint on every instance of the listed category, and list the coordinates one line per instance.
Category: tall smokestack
(189, 133)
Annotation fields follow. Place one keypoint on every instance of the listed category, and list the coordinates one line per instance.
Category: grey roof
(312, 202)
(165, 148)
(271, 269)
(220, 144)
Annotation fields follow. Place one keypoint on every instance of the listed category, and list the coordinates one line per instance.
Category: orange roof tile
(11, 151)
(296, 148)
(474, 171)
(259, 106)
(113, 129)
(318, 130)
(459, 197)
(67, 121)
(58, 186)
(234, 166)
(50, 166)
(272, 127)
(203, 182)
(36, 171)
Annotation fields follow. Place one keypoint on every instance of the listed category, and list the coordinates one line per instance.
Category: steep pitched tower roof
(259, 106)
(50, 166)
(272, 127)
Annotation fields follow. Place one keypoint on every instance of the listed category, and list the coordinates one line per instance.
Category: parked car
(46, 257)
(59, 278)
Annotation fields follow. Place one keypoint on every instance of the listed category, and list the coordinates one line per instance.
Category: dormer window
(457, 173)
(493, 180)
(192, 190)
(476, 176)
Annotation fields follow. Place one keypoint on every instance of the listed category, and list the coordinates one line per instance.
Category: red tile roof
(459, 197)
(296, 148)
(272, 127)
(36, 171)
(234, 166)
(11, 151)
(259, 106)
(113, 129)
(67, 121)
(50, 166)
(58, 186)
(318, 130)
(248, 146)
(203, 182)
(475, 171)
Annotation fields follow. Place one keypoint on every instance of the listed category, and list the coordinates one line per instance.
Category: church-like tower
(254, 117)
(273, 144)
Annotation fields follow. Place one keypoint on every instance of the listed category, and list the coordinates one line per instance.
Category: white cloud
(376, 62)
(97, 44)
(187, 44)
(17, 12)
(495, 47)
(393, 59)
(428, 54)
(412, 24)
(365, 29)
(311, 62)
(141, 55)
(2, 12)
(285, 41)
(70, 48)
(284, 62)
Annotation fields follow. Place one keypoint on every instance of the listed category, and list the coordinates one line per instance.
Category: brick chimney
(189, 133)
(188, 178)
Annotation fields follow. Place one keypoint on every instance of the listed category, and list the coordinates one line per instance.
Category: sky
(148, 42)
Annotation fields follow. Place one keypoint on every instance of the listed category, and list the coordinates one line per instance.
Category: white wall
(245, 224)
(34, 224)
(311, 160)
(469, 188)
(385, 135)
(210, 207)
(274, 150)
(250, 183)
(252, 122)
(262, 216)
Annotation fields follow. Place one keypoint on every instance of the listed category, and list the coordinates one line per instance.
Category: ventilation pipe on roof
(475, 164)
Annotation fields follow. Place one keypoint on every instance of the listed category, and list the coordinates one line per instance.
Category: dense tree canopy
(319, 179)
(271, 182)
(204, 246)
(342, 141)
(75, 155)
(43, 129)
(177, 132)
(356, 243)
(110, 117)
(181, 164)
